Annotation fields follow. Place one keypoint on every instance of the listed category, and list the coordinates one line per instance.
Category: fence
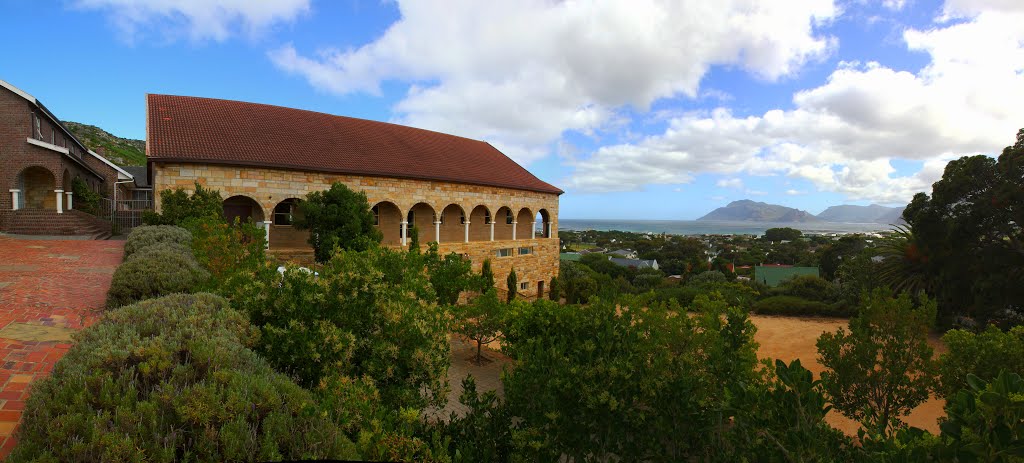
(125, 214)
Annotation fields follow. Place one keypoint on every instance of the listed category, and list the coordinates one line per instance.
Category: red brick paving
(59, 283)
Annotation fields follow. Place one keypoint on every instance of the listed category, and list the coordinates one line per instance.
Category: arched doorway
(453, 224)
(480, 224)
(242, 208)
(37, 184)
(422, 217)
(503, 224)
(524, 224)
(543, 224)
(388, 218)
(283, 233)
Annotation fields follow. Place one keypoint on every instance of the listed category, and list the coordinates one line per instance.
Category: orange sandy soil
(789, 338)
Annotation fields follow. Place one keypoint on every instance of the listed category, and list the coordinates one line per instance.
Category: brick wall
(268, 187)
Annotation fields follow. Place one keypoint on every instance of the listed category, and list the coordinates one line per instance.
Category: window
(487, 217)
(504, 252)
(508, 217)
(376, 215)
(525, 251)
(524, 286)
(283, 212)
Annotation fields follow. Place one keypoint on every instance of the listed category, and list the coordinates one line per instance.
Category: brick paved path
(48, 289)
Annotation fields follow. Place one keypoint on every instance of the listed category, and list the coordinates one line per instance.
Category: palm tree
(905, 266)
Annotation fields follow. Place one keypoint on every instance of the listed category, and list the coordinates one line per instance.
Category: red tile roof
(207, 130)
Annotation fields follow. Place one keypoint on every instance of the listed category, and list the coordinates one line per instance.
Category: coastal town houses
(40, 162)
(463, 194)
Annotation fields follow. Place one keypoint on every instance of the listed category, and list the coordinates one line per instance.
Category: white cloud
(795, 192)
(842, 135)
(730, 183)
(196, 20)
(521, 74)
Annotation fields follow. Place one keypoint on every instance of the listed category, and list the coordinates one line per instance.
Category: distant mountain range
(120, 151)
(753, 211)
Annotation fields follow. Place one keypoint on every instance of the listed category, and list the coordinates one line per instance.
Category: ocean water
(693, 227)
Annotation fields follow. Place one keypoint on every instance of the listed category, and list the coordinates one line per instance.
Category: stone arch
(503, 219)
(524, 223)
(544, 228)
(453, 223)
(422, 216)
(283, 233)
(480, 223)
(37, 185)
(387, 217)
(243, 208)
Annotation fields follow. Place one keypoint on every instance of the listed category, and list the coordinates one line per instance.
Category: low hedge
(142, 237)
(171, 379)
(791, 305)
(157, 270)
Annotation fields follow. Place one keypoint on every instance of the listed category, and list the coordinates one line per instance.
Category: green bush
(983, 355)
(141, 237)
(170, 379)
(86, 200)
(226, 250)
(163, 269)
(985, 421)
(366, 313)
(791, 305)
(807, 287)
(178, 206)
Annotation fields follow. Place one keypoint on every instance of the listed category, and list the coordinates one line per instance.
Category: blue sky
(639, 110)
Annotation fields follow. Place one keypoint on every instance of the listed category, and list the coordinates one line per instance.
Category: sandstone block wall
(268, 187)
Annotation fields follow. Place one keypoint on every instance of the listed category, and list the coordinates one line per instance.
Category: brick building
(39, 161)
(464, 194)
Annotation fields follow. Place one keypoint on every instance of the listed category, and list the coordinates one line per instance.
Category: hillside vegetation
(120, 151)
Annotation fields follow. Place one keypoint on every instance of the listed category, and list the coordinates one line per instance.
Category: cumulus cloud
(522, 74)
(730, 183)
(196, 20)
(842, 135)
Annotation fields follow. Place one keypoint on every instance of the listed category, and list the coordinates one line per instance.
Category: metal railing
(125, 214)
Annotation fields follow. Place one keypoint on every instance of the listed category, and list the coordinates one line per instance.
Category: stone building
(463, 194)
(39, 161)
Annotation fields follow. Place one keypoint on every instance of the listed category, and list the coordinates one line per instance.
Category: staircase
(49, 222)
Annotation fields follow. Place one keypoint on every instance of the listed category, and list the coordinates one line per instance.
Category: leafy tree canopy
(337, 217)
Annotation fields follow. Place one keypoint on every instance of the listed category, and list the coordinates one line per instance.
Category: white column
(492, 230)
(467, 231)
(405, 226)
(14, 199)
(533, 229)
(549, 230)
(437, 232)
(60, 201)
(68, 194)
(514, 230)
(266, 227)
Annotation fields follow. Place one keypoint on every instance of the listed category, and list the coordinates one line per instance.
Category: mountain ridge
(120, 151)
(746, 210)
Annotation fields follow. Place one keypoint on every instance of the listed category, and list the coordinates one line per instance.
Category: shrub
(807, 287)
(983, 355)
(178, 206)
(337, 218)
(365, 314)
(882, 368)
(225, 250)
(986, 420)
(791, 305)
(141, 237)
(161, 270)
(710, 276)
(450, 275)
(170, 379)
(86, 200)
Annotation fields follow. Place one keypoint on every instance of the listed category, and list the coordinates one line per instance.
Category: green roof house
(772, 275)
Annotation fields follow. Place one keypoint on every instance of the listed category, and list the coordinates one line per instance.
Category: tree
(882, 368)
(486, 276)
(577, 282)
(481, 320)
(513, 285)
(449, 275)
(554, 291)
(968, 241)
(337, 217)
(782, 234)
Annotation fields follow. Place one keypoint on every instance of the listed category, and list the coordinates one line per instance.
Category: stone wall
(268, 187)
